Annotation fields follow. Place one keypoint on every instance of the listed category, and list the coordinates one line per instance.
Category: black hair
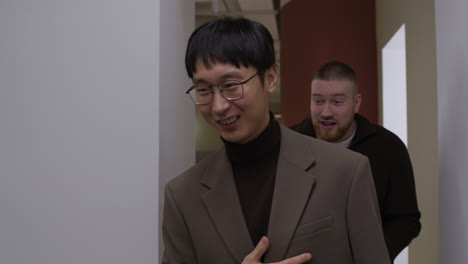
(235, 40)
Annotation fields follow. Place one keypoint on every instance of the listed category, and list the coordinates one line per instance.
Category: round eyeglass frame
(217, 85)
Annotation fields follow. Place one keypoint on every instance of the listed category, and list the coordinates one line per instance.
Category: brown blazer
(324, 203)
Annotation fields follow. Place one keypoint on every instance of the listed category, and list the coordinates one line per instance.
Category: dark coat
(393, 178)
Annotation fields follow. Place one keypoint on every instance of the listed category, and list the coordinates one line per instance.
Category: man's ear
(357, 102)
(271, 79)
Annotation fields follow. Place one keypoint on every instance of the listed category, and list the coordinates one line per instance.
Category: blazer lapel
(224, 207)
(293, 188)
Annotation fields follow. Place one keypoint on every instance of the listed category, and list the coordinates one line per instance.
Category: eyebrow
(226, 76)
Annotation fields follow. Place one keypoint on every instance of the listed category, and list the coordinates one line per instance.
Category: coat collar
(364, 129)
(222, 203)
(293, 185)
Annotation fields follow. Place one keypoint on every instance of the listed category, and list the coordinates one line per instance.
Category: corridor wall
(89, 127)
(452, 90)
(419, 20)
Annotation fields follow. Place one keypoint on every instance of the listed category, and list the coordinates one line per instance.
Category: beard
(334, 134)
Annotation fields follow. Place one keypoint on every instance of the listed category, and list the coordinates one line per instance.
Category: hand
(262, 246)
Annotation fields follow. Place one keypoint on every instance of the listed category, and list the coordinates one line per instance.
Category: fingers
(257, 253)
(261, 248)
(299, 259)
(255, 256)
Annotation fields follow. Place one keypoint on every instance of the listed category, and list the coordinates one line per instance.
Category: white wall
(177, 111)
(452, 81)
(81, 128)
(394, 107)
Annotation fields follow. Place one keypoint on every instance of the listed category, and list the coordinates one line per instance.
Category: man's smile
(327, 123)
(228, 121)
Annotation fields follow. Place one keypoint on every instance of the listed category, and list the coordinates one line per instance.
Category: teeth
(228, 121)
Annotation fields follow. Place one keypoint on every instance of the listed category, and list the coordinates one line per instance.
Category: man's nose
(219, 103)
(326, 110)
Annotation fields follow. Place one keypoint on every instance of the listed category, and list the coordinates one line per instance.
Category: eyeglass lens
(230, 90)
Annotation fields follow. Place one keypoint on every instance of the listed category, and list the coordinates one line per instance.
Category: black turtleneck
(254, 167)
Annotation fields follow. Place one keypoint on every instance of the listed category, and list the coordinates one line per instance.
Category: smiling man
(334, 107)
(269, 194)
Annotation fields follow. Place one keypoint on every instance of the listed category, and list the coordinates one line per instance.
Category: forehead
(216, 70)
(332, 87)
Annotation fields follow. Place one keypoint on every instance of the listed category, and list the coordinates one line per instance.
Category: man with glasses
(270, 195)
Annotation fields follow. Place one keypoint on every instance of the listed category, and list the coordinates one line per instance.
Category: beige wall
(418, 16)
(207, 138)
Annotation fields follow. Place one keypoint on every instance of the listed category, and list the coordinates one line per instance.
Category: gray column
(452, 82)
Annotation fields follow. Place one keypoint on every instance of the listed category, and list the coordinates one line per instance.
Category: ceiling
(263, 11)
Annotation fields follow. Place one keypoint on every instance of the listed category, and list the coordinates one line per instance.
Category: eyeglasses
(231, 90)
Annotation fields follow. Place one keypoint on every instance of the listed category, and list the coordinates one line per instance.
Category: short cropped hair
(337, 70)
(235, 40)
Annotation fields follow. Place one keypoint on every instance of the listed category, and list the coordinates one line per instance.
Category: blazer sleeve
(363, 217)
(178, 247)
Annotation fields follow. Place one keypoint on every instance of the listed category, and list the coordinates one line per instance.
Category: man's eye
(338, 102)
(318, 101)
(231, 85)
(202, 90)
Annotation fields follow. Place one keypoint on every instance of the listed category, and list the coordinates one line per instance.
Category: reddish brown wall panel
(315, 32)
